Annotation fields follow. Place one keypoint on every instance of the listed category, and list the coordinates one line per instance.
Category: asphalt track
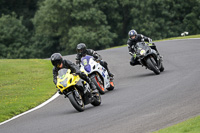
(141, 102)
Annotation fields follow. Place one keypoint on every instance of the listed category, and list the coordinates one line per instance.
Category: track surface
(141, 102)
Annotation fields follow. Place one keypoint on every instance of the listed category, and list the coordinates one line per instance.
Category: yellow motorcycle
(77, 90)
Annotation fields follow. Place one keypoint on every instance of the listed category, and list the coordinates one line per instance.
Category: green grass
(24, 84)
(189, 126)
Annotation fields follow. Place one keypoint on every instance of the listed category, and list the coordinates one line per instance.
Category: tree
(13, 38)
(192, 19)
(73, 22)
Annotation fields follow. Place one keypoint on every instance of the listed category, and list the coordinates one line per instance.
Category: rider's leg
(155, 48)
(134, 61)
(105, 65)
(88, 80)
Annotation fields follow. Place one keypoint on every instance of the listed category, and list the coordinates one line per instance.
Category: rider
(133, 39)
(83, 51)
(58, 62)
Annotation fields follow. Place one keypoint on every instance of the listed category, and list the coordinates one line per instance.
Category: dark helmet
(56, 59)
(81, 49)
(132, 33)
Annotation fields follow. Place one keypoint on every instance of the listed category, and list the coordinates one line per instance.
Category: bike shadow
(151, 74)
(74, 111)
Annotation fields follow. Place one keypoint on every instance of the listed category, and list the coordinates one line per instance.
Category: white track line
(39, 106)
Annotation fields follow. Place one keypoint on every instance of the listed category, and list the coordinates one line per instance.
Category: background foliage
(38, 28)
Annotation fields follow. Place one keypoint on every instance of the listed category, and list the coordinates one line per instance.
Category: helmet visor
(56, 63)
(79, 50)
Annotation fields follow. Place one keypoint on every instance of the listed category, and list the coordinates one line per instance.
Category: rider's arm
(94, 54)
(78, 59)
(55, 74)
(74, 68)
(144, 38)
(147, 39)
(130, 47)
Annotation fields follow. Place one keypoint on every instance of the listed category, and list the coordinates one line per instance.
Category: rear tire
(151, 63)
(76, 101)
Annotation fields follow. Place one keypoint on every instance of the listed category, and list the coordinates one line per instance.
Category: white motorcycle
(97, 73)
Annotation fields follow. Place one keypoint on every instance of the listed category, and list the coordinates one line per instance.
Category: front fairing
(66, 79)
(91, 67)
(143, 50)
(88, 63)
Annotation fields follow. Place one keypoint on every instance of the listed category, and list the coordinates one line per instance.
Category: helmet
(81, 49)
(132, 33)
(56, 59)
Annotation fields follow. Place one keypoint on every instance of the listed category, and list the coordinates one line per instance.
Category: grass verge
(24, 84)
(190, 126)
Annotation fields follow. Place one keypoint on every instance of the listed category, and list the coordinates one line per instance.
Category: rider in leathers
(133, 39)
(58, 62)
(83, 51)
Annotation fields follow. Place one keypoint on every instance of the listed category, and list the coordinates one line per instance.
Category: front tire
(152, 65)
(98, 84)
(76, 100)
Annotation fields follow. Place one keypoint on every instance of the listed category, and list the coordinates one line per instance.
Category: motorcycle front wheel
(76, 100)
(98, 83)
(151, 63)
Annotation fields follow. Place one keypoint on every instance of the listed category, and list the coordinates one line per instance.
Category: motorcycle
(76, 89)
(97, 73)
(148, 57)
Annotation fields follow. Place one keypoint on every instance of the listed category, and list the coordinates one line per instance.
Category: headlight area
(142, 52)
(64, 83)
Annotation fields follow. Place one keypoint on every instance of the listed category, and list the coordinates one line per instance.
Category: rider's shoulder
(129, 41)
(90, 51)
(67, 62)
(140, 35)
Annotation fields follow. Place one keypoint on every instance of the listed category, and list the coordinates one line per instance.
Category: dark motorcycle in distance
(148, 57)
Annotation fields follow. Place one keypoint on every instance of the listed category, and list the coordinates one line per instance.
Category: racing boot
(93, 87)
(60, 92)
(93, 91)
(159, 56)
(110, 74)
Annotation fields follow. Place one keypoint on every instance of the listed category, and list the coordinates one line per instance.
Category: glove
(150, 40)
(77, 62)
(98, 60)
(131, 53)
(60, 92)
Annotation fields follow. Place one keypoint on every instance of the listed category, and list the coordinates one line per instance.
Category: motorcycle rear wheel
(151, 63)
(76, 101)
